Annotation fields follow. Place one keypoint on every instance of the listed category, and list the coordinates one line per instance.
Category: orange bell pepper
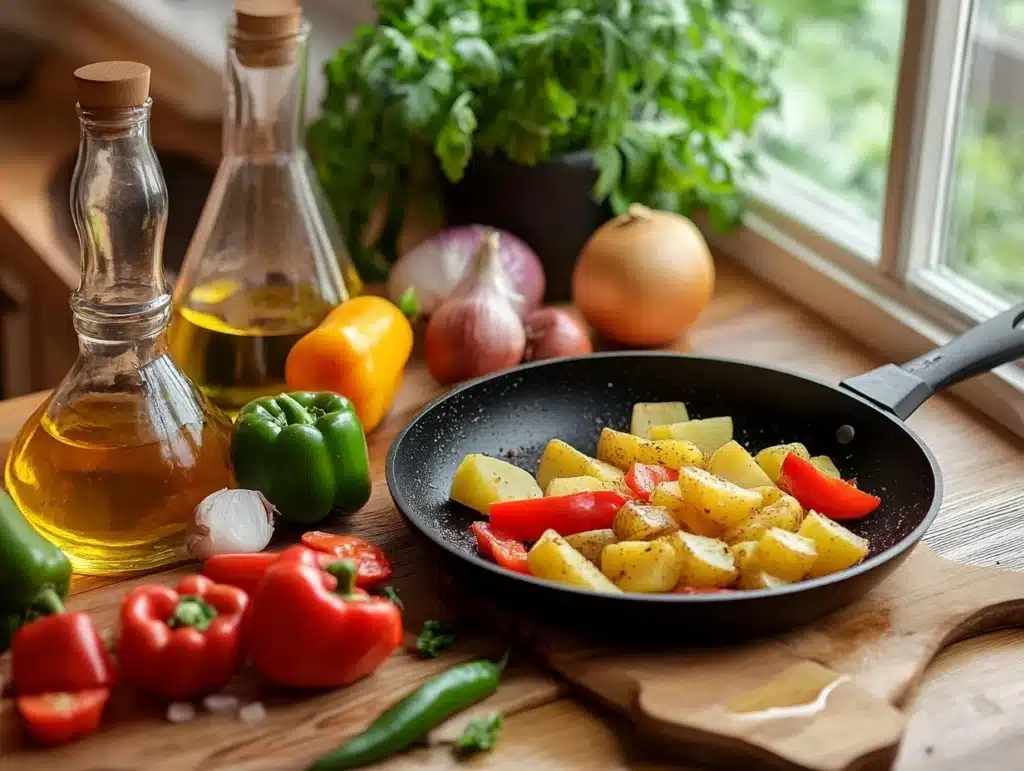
(359, 351)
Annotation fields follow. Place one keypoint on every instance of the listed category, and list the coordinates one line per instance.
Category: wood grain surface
(968, 712)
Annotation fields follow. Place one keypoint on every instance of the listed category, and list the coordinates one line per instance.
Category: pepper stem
(345, 571)
(46, 603)
(194, 612)
(294, 413)
(409, 304)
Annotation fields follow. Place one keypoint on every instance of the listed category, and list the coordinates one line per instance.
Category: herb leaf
(479, 735)
(434, 638)
(391, 593)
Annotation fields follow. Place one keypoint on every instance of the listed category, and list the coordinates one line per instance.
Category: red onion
(552, 332)
(437, 265)
(476, 330)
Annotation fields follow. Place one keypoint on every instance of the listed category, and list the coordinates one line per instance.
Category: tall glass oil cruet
(267, 261)
(111, 466)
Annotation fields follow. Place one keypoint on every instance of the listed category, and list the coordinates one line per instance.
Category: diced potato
(621, 450)
(825, 465)
(688, 516)
(641, 566)
(786, 555)
(573, 485)
(770, 458)
(733, 463)
(590, 543)
(744, 554)
(647, 414)
(708, 434)
(837, 547)
(562, 460)
(769, 494)
(553, 559)
(703, 561)
(761, 580)
(720, 501)
(641, 522)
(785, 513)
(481, 480)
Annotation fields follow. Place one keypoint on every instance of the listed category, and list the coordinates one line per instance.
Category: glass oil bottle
(267, 262)
(112, 465)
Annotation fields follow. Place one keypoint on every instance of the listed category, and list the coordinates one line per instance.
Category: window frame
(891, 292)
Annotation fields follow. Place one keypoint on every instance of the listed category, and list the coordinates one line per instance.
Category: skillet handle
(901, 389)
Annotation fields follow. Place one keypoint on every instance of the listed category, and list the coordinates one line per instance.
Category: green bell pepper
(35, 574)
(306, 452)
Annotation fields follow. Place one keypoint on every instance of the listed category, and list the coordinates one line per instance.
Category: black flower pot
(549, 206)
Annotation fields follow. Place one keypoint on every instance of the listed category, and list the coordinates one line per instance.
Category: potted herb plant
(540, 116)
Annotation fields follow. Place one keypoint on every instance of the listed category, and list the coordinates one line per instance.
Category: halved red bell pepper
(496, 545)
(374, 565)
(56, 718)
(642, 478)
(824, 494)
(61, 653)
(526, 520)
(183, 642)
(311, 628)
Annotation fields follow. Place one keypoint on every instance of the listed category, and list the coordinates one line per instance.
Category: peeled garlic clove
(230, 522)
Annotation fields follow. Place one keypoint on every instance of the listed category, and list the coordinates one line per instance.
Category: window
(892, 192)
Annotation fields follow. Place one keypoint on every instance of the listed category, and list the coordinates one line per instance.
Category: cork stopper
(112, 85)
(267, 18)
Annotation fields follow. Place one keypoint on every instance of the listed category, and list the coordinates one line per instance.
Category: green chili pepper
(306, 452)
(34, 573)
(409, 721)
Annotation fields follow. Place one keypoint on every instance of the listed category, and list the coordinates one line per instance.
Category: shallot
(553, 332)
(230, 522)
(477, 330)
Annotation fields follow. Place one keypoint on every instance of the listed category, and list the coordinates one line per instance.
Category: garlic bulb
(230, 522)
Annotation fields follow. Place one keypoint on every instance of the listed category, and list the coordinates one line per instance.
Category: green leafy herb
(666, 94)
(434, 638)
(479, 735)
(391, 593)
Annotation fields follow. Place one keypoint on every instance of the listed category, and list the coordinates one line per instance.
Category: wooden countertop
(969, 712)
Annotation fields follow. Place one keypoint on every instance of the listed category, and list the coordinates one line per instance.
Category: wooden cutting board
(828, 697)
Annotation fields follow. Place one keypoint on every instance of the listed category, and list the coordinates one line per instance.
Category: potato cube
(622, 450)
(785, 513)
(641, 566)
(770, 458)
(708, 434)
(573, 485)
(553, 559)
(703, 561)
(591, 543)
(837, 547)
(641, 522)
(647, 414)
(561, 460)
(761, 580)
(720, 501)
(734, 464)
(688, 516)
(744, 554)
(825, 465)
(481, 480)
(786, 555)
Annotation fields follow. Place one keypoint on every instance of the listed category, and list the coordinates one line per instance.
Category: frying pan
(514, 413)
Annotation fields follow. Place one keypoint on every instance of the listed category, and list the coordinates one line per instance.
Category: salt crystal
(252, 713)
(180, 712)
(220, 702)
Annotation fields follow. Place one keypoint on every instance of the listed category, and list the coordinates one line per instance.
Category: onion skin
(643, 278)
(553, 332)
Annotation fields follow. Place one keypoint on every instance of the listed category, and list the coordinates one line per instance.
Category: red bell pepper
(61, 653)
(245, 571)
(311, 628)
(643, 478)
(183, 642)
(374, 565)
(506, 551)
(56, 718)
(824, 494)
(526, 520)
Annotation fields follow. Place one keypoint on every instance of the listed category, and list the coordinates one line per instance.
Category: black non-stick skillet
(513, 414)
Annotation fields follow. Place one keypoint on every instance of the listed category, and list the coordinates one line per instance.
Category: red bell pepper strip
(824, 494)
(56, 718)
(643, 478)
(311, 628)
(183, 642)
(526, 520)
(374, 565)
(61, 653)
(507, 552)
(245, 571)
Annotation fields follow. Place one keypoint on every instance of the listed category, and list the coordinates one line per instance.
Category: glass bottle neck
(264, 114)
(119, 207)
